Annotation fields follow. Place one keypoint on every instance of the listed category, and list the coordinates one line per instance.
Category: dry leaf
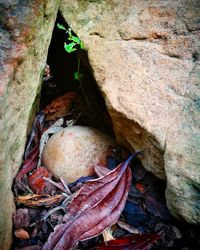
(127, 227)
(35, 134)
(139, 242)
(98, 205)
(21, 234)
(21, 218)
(36, 200)
(37, 182)
(28, 165)
(30, 156)
(101, 170)
(61, 106)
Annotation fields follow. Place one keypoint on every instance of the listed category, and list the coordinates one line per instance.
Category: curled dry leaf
(61, 106)
(108, 234)
(28, 165)
(36, 200)
(98, 205)
(35, 134)
(31, 154)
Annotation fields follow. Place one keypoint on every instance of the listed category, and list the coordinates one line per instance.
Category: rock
(145, 58)
(25, 33)
(72, 152)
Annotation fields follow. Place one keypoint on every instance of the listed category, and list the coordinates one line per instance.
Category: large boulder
(25, 32)
(145, 57)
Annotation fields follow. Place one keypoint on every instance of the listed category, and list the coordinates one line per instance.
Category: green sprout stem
(71, 47)
(81, 85)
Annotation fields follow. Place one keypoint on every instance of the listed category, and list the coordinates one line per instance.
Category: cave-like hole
(62, 66)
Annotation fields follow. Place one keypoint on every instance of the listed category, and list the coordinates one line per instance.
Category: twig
(62, 206)
(58, 185)
(127, 227)
(67, 190)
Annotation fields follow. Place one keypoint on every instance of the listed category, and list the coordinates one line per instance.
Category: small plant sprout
(61, 27)
(74, 44)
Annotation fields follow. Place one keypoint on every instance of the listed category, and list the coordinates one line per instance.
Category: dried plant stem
(58, 185)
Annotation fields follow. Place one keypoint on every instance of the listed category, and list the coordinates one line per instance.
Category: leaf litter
(121, 207)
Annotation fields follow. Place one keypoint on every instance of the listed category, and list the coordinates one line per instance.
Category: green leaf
(74, 39)
(78, 76)
(69, 47)
(60, 26)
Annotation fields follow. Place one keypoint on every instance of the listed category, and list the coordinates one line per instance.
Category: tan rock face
(72, 152)
(25, 32)
(145, 57)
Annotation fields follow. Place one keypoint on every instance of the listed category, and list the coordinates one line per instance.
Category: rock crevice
(145, 58)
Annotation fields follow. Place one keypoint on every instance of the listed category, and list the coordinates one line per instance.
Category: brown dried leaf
(36, 200)
(60, 106)
(98, 205)
(21, 234)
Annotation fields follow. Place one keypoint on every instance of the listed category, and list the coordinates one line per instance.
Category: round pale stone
(73, 151)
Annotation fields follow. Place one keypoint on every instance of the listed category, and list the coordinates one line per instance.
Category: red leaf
(98, 205)
(37, 183)
(140, 187)
(30, 156)
(139, 242)
(35, 134)
(100, 170)
(31, 162)
(27, 166)
(32, 148)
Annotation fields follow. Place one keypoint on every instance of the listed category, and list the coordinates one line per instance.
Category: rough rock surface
(145, 56)
(73, 152)
(25, 32)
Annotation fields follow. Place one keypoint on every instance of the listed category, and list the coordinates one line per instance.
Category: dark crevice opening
(62, 66)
